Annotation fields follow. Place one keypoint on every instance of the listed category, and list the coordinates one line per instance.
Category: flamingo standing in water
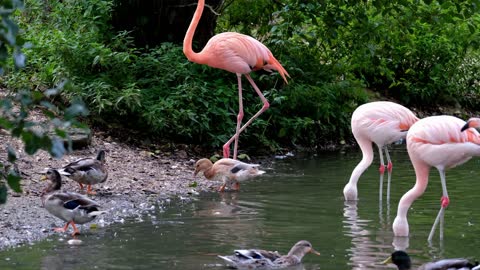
(435, 141)
(237, 53)
(382, 123)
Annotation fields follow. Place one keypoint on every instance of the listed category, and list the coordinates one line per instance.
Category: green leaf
(193, 184)
(13, 180)
(3, 193)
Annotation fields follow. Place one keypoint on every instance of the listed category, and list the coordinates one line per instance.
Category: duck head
(301, 248)
(202, 165)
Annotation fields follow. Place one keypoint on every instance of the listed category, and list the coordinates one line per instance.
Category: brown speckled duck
(87, 171)
(262, 259)
(228, 170)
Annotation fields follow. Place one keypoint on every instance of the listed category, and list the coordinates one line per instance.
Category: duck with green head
(71, 207)
(403, 262)
(87, 171)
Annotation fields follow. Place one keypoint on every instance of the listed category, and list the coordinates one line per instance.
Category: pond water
(299, 198)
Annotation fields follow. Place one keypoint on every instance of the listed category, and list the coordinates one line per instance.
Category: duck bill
(315, 252)
(387, 261)
(43, 178)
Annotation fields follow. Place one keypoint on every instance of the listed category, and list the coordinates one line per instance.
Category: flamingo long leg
(389, 161)
(389, 169)
(239, 116)
(226, 146)
(445, 202)
(381, 169)
(265, 106)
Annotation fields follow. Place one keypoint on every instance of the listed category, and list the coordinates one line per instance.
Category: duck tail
(65, 171)
(228, 260)
(96, 213)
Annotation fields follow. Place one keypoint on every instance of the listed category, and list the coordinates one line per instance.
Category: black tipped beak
(467, 125)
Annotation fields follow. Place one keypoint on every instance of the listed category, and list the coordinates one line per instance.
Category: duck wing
(73, 200)
(83, 164)
(246, 257)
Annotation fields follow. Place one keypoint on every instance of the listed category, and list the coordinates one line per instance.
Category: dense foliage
(422, 53)
(16, 108)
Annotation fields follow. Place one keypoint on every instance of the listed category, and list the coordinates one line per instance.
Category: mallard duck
(227, 169)
(71, 207)
(402, 261)
(262, 259)
(88, 171)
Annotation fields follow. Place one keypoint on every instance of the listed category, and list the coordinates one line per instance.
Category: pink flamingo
(382, 123)
(236, 53)
(435, 141)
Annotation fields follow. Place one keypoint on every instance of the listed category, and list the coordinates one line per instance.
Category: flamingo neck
(188, 40)
(366, 161)
(350, 191)
(421, 172)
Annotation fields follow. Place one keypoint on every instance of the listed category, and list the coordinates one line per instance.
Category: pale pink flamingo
(227, 169)
(435, 141)
(237, 53)
(382, 123)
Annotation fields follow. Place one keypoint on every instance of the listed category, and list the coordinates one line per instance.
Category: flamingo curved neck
(418, 189)
(188, 40)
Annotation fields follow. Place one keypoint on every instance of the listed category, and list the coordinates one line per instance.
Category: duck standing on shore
(87, 171)
(228, 170)
(71, 207)
(263, 259)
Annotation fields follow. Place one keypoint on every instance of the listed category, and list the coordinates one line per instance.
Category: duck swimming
(402, 260)
(263, 259)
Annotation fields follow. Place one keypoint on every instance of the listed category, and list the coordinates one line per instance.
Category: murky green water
(297, 199)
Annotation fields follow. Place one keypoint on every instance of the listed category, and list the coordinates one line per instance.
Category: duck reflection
(226, 219)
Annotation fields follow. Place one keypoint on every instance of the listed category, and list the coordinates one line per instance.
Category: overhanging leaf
(3, 193)
(13, 180)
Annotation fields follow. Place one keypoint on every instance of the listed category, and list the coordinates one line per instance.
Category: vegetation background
(339, 53)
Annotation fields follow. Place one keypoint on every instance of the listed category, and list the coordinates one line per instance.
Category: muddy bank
(138, 182)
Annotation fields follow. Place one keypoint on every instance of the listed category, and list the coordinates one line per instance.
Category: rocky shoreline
(139, 181)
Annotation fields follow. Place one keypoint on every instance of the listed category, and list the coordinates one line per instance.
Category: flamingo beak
(314, 252)
(387, 261)
(466, 126)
